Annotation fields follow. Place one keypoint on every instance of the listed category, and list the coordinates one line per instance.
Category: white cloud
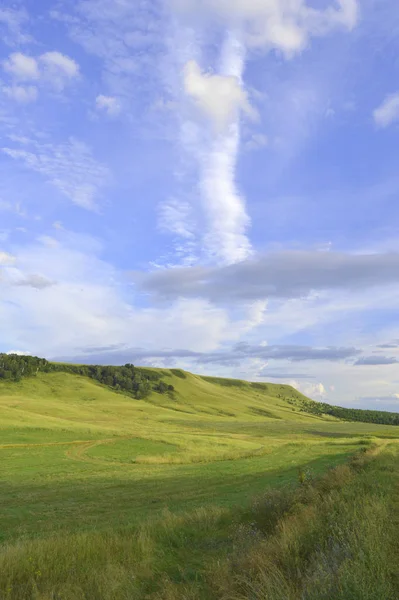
(21, 94)
(6, 259)
(60, 63)
(67, 299)
(225, 240)
(219, 94)
(218, 97)
(127, 37)
(214, 150)
(388, 112)
(70, 167)
(58, 69)
(285, 25)
(52, 69)
(48, 241)
(22, 67)
(11, 26)
(316, 391)
(257, 141)
(174, 217)
(256, 316)
(109, 104)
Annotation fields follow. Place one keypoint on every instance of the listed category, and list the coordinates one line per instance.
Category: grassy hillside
(78, 458)
(66, 440)
(140, 383)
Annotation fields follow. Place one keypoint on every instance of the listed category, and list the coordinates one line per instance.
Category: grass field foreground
(332, 538)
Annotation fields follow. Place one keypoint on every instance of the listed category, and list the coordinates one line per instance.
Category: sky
(204, 184)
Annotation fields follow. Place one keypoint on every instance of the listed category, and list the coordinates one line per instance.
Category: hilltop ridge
(179, 390)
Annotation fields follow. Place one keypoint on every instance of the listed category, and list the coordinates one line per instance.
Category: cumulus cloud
(21, 94)
(388, 112)
(289, 274)
(22, 66)
(51, 68)
(285, 25)
(219, 97)
(58, 69)
(315, 391)
(108, 104)
(376, 360)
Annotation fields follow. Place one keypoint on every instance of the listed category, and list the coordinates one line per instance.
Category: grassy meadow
(219, 490)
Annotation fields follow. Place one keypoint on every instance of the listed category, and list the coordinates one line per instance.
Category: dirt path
(7, 446)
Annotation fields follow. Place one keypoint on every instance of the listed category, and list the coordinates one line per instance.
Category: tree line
(347, 414)
(130, 379)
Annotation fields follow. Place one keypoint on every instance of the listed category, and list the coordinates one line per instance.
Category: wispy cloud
(69, 166)
(388, 112)
(126, 36)
(225, 239)
(13, 22)
(222, 96)
(256, 141)
(6, 259)
(175, 217)
(108, 104)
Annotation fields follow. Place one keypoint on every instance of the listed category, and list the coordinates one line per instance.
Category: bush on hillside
(138, 382)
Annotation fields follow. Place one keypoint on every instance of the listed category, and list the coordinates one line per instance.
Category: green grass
(332, 538)
(89, 472)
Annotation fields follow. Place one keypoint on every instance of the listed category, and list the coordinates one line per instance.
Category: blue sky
(210, 184)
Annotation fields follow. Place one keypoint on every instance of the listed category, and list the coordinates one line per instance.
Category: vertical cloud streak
(226, 240)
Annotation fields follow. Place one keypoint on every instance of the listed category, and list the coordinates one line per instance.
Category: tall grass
(335, 540)
(322, 539)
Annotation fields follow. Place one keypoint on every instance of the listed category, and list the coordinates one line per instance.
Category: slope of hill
(141, 383)
(92, 468)
(66, 439)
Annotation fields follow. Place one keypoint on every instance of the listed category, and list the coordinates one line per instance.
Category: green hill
(90, 463)
(64, 437)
